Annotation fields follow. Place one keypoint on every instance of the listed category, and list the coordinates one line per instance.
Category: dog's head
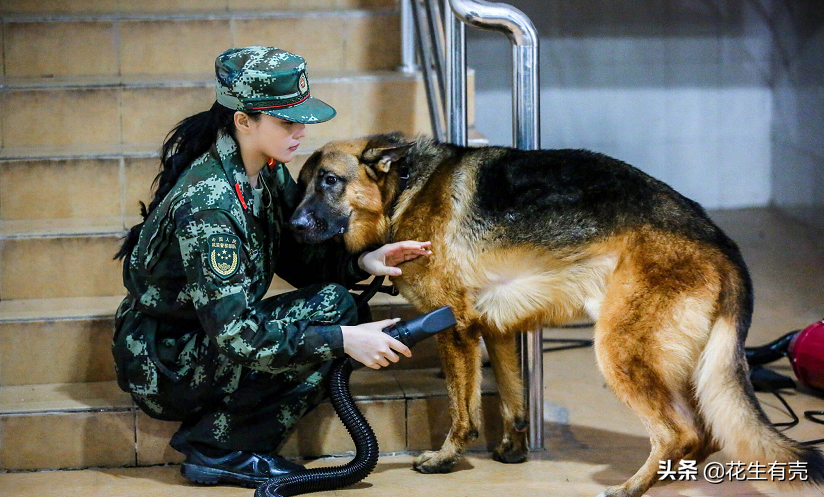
(347, 188)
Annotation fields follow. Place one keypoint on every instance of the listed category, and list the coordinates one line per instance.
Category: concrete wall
(681, 89)
(798, 109)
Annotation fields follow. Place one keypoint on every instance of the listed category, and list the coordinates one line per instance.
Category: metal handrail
(427, 21)
(525, 81)
(456, 93)
(526, 128)
(408, 64)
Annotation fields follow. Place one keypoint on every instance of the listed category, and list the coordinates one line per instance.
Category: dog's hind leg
(504, 357)
(460, 355)
(647, 343)
(707, 444)
(640, 385)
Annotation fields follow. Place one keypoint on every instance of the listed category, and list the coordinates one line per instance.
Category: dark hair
(188, 140)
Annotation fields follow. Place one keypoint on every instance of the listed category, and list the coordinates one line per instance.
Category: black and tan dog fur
(525, 239)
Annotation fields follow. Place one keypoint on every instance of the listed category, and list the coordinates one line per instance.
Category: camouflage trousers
(174, 373)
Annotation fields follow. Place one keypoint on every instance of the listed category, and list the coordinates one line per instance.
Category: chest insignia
(224, 255)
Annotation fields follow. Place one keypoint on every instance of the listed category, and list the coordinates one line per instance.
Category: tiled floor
(592, 440)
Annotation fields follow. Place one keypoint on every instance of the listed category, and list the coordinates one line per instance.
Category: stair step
(163, 43)
(77, 152)
(60, 309)
(60, 351)
(65, 258)
(95, 424)
(138, 117)
(63, 398)
(63, 227)
(68, 340)
(87, 196)
(50, 9)
(88, 190)
(60, 266)
(199, 79)
(138, 151)
(80, 308)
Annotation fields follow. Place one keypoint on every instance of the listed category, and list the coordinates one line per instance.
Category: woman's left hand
(382, 262)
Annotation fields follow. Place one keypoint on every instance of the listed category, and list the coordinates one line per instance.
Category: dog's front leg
(460, 354)
(504, 358)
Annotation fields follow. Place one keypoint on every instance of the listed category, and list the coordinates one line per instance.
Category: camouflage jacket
(204, 254)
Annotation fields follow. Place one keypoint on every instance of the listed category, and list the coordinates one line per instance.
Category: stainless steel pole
(527, 136)
(436, 30)
(433, 79)
(407, 38)
(456, 117)
(526, 124)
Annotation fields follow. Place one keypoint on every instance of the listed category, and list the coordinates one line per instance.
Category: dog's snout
(313, 222)
(301, 222)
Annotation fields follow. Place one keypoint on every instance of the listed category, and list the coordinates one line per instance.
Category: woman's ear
(243, 123)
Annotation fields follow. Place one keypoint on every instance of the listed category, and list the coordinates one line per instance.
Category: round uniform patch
(224, 255)
(303, 86)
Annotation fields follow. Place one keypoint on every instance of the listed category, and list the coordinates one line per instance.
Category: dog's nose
(301, 223)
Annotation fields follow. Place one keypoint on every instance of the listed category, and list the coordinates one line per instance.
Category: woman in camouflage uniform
(195, 341)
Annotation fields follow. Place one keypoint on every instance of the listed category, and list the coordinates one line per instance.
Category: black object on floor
(767, 380)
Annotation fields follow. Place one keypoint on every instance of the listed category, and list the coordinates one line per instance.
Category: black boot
(248, 469)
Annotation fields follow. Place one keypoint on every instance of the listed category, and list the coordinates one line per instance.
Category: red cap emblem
(303, 86)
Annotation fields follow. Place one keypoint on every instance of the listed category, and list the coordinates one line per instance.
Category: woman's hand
(382, 262)
(367, 344)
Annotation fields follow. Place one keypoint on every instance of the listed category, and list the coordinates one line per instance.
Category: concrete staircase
(88, 91)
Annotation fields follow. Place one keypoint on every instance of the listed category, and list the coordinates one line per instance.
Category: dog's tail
(726, 397)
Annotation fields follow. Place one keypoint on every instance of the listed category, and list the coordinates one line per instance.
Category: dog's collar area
(403, 175)
(403, 181)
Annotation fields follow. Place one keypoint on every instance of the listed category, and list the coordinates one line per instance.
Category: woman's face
(276, 138)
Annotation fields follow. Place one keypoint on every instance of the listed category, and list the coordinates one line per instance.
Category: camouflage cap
(268, 80)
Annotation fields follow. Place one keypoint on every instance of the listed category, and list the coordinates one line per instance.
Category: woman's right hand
(370, 346)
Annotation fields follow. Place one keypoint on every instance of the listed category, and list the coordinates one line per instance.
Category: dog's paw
(617, 491)
(423, 458)
(513, 448)
(434, 462)
(510, 453)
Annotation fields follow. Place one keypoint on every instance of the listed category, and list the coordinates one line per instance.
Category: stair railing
(445, 78)
(426, 18)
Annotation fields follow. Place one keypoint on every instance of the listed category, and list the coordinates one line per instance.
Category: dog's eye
(330, 180)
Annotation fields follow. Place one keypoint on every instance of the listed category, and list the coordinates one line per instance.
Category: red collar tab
(240, 195)
(272, 163)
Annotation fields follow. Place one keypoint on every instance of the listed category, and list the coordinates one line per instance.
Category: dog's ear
(382, 158)
(380, 154)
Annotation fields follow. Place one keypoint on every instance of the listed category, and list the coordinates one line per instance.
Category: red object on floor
(806, 353)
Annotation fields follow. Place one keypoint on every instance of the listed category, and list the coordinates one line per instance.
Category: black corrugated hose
(366, 447)
(366, 444)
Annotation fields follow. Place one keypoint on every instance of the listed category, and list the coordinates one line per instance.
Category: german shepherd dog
(523, 239)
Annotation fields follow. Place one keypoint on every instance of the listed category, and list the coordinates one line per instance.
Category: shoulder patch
(224, 254)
